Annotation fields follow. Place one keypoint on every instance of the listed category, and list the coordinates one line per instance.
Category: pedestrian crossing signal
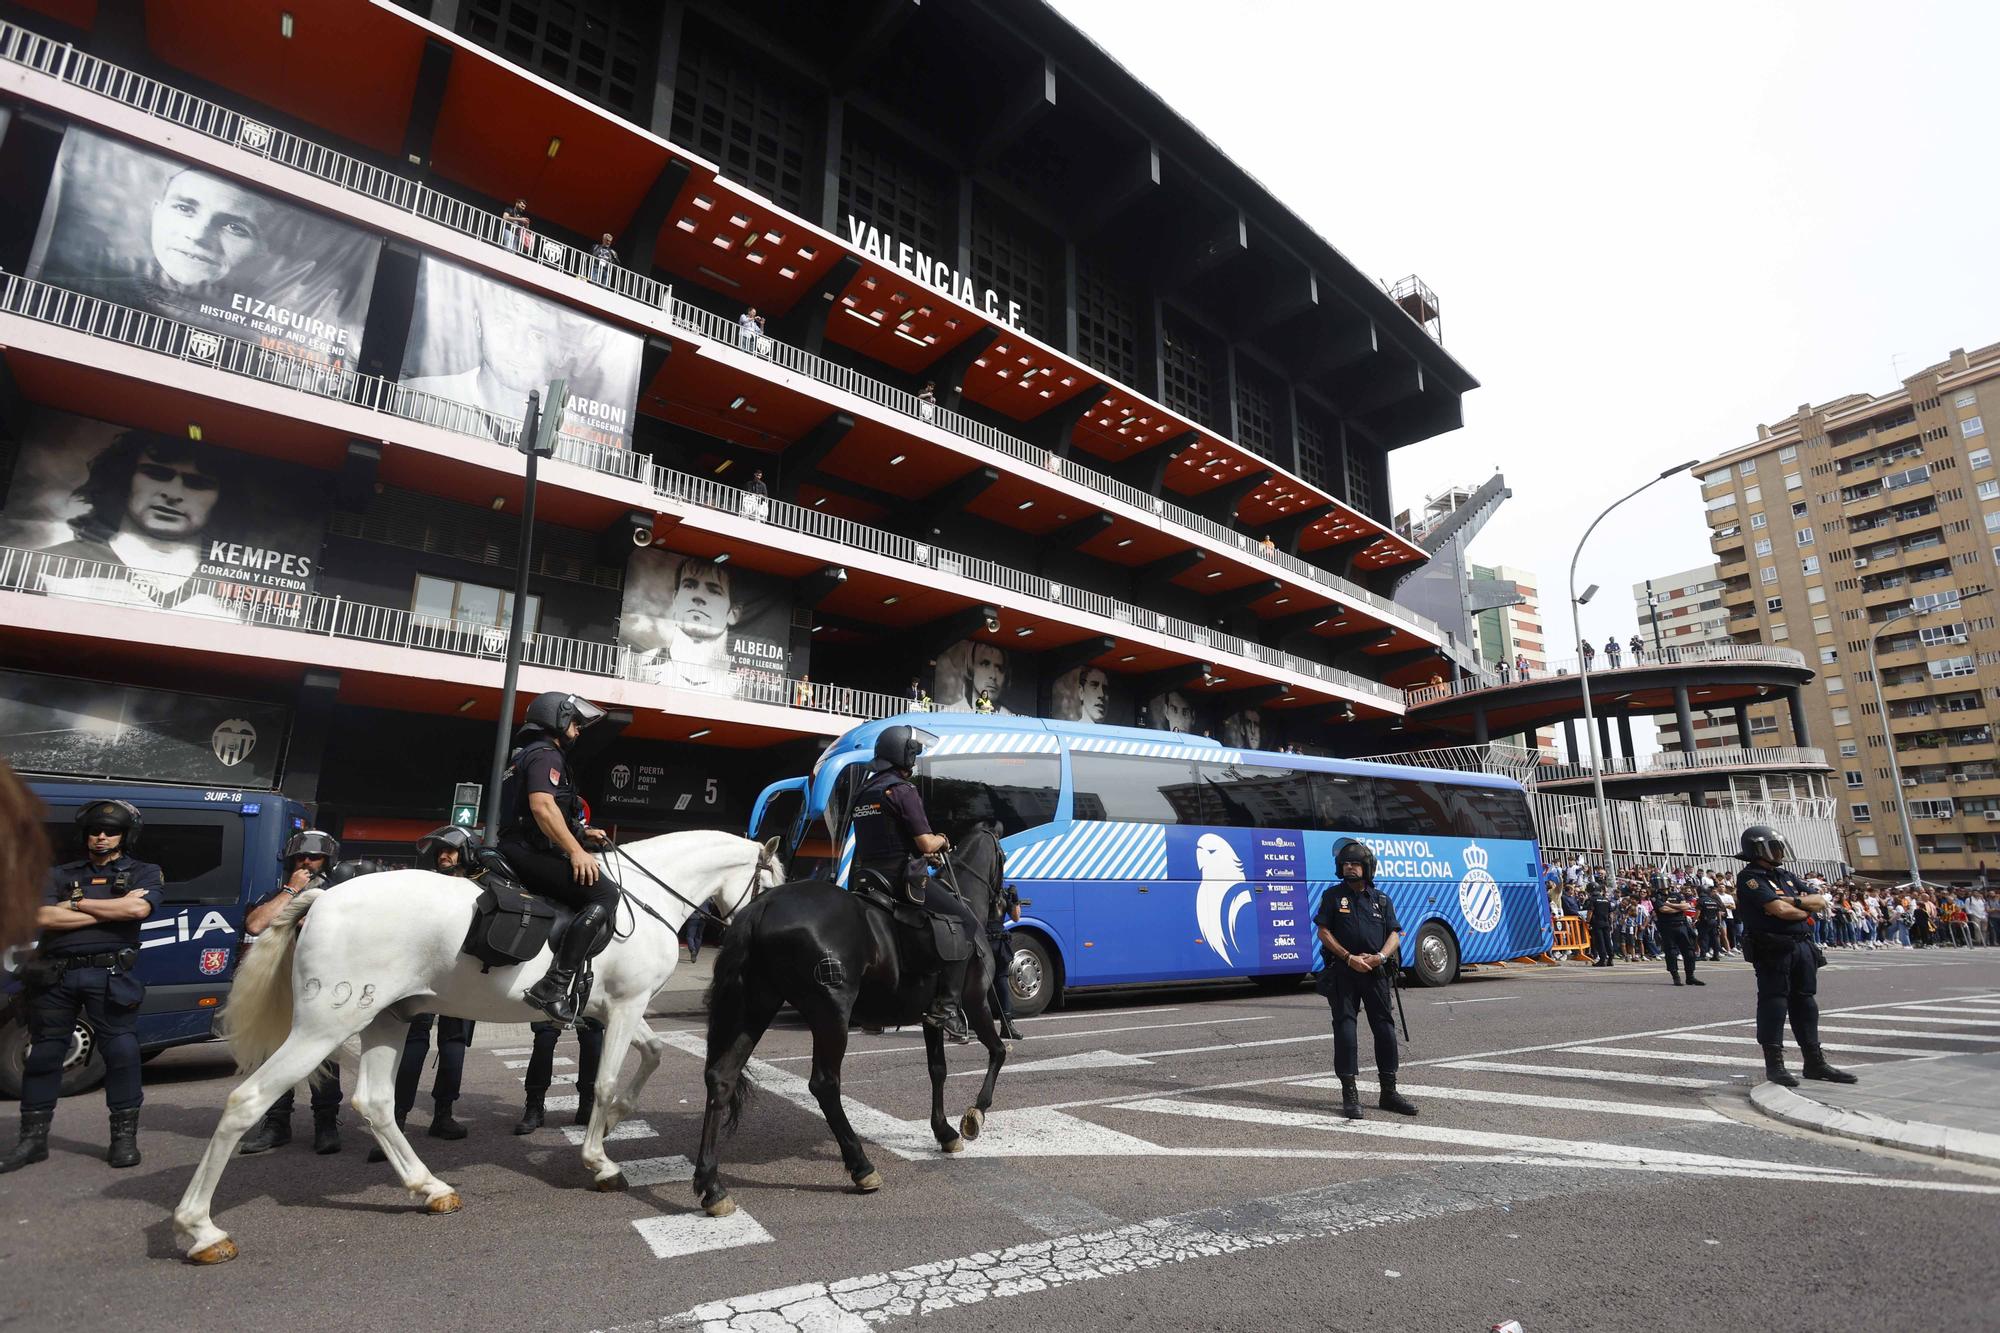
(465, 816)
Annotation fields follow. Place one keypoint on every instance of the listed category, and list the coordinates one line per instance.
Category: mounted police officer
(1673, 915)
(545, 839)
(1358, 939)
(892, 837)
(310, 857)
(1777, 909)
(89, 943)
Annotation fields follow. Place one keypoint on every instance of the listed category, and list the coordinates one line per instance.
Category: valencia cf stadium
(912, 354)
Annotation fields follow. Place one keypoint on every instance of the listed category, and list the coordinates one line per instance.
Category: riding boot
(531, 1114)
(273, 1131)
(945, 1013)
(326, 1130)
(442, 1124)
(1350, 1099)
(1774, 1066)
(1391, 1100)
(124, 1149)
(33, 1145)
(1008, 1030)
(1818, 1068)
(552, 992)
(586, 1102)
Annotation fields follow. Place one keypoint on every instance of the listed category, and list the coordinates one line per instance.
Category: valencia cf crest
(232, 741)
(213, 961)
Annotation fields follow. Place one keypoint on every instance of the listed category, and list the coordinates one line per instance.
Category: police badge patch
(213, 961)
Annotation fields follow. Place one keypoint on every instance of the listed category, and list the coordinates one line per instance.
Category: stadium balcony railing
(61, 60)
(95, 317)
(1674, 761)
(1691, 655)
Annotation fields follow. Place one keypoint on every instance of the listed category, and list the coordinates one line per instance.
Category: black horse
(813, 945)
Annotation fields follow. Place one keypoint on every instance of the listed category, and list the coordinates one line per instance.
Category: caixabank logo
(1478, 893)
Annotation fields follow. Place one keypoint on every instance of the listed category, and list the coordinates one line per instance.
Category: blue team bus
(1145, 858)
(219, 852)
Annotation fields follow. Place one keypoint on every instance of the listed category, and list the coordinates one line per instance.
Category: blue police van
(220, 851)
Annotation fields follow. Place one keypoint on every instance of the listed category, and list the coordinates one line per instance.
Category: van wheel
(1436, 955)
(1032, 976)
(83, 1062)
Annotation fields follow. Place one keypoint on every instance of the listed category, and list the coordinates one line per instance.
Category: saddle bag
(509, 925)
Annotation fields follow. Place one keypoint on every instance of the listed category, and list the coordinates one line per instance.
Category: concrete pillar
(1479, 733)
(1743, 725)
(1603, 737)
(1569, 738)
(1796, 700)
(1684, 718)
(1625, 736)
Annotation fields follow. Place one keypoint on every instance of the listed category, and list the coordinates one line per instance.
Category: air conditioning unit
(1909, 782)
(1993, 816)
(1861, 562)
(1960, 777)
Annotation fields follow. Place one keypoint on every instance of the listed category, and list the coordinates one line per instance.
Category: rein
(698, 909)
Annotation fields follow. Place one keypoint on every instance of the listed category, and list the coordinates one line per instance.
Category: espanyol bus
(1150, 858)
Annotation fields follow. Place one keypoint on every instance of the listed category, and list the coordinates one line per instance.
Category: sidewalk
(1946, 1107)
(682, 996)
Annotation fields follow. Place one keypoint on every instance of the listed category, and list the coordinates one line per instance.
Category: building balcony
(1734, 569)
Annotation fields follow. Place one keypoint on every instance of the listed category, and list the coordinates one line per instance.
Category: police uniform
(541, 1071)
(88, 971)
(1786, 960)
(275, 1129)
(1361, 919)
(1708, 927)
(1671, 908)
(1603, 925)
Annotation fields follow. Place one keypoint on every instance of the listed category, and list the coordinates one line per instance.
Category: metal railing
(238, 602)
(1723, 756)
(79, 69)
(1604, 665)
(1668, 834)
(1514, 761)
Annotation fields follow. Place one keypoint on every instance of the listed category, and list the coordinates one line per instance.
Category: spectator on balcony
(517, 228)
(1638, 647)
(1589, 654)
(802, 692)
(750, 333)
(1500, 669)
(1611, 651)
(984, 703)
(1267, 546)
(1520, 666)
(602, 260)
(757, 499)
(916, 693)
(927, 403)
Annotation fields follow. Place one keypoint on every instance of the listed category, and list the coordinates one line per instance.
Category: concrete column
(1796, 700)
(1684, 718)
(1479, 733)
(1625, 736)
(1569, 739)
(1743, 725)
(1603, 737)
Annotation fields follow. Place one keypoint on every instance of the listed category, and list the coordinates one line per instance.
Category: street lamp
(1583, 664)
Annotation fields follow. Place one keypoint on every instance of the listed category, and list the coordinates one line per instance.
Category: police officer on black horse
(1358, 939)
(893, 839)
(1777, 909)
(544, 837)
(89, 944)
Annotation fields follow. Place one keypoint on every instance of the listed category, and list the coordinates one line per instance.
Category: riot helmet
(451, 837)
(312, 842)
(552, 712)
(1358, 852)
(898, 747)
(1761, 842)
(111, 816)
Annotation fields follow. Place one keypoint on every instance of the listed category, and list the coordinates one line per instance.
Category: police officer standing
(543, 837)
(310, 855)
(1673, 916)
(1603, 925)
(1708, 906)
(89, 944)
(1777, 908)
(1358, 939)
(541, 1071)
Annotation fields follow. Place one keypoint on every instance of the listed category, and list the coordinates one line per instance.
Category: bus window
(1245, 796)
(190, 848)
(1343, 803)
(780, 813)
(1134, 789)
(1417, 807)
(1012, 793)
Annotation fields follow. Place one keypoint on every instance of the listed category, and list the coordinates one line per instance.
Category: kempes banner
(478, 341)
(145, 519)
(152, 232)
(709, 627)
(53, 724)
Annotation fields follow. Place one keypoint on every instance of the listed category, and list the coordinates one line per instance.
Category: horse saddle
(927, 941)
(511, 925)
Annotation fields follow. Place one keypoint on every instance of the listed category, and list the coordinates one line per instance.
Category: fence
(1672, 834)
(1690, 655)
(1666, 762)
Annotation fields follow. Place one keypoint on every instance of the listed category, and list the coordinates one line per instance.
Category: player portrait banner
(698, 625)
(972, 667)
(149, 231)
(84, 728)
(140, 518)
(478, 341)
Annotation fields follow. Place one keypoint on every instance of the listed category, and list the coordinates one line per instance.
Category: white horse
(381, 948)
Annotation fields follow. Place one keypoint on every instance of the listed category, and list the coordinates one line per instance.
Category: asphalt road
(1586, 1157)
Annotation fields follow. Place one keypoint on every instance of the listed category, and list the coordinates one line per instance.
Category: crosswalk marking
(1581, 1075)
(1850, 1030)
(1825, 1045)
(523, 1064)
(1650, 1110)
(628, 1129)
(644, 1171)
(916, 1049)
(1693, 1057)
(511, 1050)
(1931, 1014)
(676, 1234)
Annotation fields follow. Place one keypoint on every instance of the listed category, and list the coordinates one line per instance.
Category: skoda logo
(233, 741)
(621, 776)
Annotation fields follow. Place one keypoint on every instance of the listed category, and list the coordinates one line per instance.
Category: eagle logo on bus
(1478, 893)
(1222, 896)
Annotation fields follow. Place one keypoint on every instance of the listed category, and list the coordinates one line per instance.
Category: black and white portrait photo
(1244, 730)
(698, 625)
(1171, 711)
(478, 341)
(1081, 695)
(148, 519)
(145, 230)
(971, 668)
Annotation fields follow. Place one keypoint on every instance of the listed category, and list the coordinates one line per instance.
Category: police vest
(881, 839)
(516, 820)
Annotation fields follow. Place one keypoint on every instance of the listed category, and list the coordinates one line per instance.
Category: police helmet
(437, 840)
(898, 747)
(554, 711)
(1761, 842)
(312, 842)
(120, 817)
(1358, 852)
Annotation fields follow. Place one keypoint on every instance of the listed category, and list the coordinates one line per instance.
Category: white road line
(1910, 1033)
(1484, 999)
(1620, 1153)
(566, 1102)
(523, 1064)
(627, 1129)
(1699, 1114)
(512, 1050)
(1671, 1057)
(1241, 1045)
(1580, 1075)
(677, 1234)
(644, 1171)
(1827, 1045)
(1927, 1012)
(1098, 1013)
(917, 1049)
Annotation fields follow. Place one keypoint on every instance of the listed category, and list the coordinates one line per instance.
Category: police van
(219, 851)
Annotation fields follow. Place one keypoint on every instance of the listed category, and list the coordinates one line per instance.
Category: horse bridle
(698, 909)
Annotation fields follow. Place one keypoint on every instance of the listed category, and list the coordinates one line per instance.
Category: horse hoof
(609, 1184)
(956, 1145)
(869, 1183)
(219, 1253)
(444, 1203)
(972, 1122)
(722, 1207)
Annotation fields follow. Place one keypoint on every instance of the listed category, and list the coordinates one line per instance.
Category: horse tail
(258, 1016)
(728, 999)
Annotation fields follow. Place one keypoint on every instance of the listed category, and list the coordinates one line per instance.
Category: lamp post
(1583, 665)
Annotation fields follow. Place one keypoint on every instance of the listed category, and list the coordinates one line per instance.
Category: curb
(1964, 1145)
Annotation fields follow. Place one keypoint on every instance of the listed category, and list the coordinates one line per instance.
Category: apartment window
(1752, 494)
(1843, 717)
(1993, 522)
(1720, 477)
(1966, 398)
(1971, 426)
(1989, 490)
(1779, 633)
(1861, 814)
(1835, 685)
(1722, 501)
(1804, 536)
(1788, 453)
(1794, 481)
(1866, 846)
(472, 603)
(1747, 468)
(1809, 565)
(1848, 749)
(1763, 546)
(1768, 575)
(1760, 725)
(1815, 595)
(1854, 778)
(1828, 656)
(1980, 458)
(1822, 625)
(1951, 667)
(1757, 520)
(1774, 604)
(1798, 509)
(1931, 635)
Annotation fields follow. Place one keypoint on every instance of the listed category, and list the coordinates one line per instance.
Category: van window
(1012, 793)
(198, 851)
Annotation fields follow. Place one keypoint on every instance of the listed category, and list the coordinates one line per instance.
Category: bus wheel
(83, 1062)
(1032, 977)
(1436, 955)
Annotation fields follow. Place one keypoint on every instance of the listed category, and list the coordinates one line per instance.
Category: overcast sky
(1649, 228)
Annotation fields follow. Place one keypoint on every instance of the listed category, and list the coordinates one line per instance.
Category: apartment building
(1679, 610)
